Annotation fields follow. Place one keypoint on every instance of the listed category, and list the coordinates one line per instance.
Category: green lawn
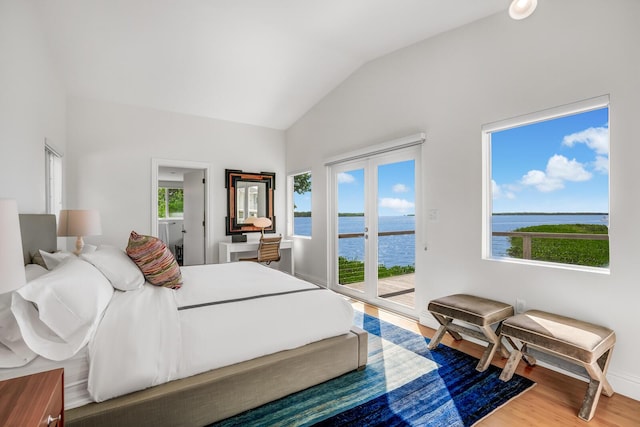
(594, 253)
(352, 271)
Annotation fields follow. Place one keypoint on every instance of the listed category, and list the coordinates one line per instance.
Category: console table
(230, 252)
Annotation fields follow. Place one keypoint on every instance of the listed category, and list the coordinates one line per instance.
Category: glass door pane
(396, 227)
(351, 229)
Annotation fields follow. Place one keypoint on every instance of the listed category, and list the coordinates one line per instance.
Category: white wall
(449, 86)
(110, 147)
(32, 106)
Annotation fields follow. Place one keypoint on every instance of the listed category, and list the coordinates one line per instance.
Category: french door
(373, 228)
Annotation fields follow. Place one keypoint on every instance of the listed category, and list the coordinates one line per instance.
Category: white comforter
(154, 335)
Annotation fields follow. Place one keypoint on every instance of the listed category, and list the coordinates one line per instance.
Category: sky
(560, 165)
(396, 191)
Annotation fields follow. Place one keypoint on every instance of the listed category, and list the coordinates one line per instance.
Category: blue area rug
(404, 384)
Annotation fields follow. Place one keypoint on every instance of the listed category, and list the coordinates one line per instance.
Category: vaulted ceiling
(260, 62)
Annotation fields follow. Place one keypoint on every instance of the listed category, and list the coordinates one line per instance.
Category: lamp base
(79, 245)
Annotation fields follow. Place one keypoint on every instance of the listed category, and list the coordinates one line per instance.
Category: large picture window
(546, 187)
(301, 195)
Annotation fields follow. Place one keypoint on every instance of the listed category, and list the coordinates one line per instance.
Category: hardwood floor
(553, 401)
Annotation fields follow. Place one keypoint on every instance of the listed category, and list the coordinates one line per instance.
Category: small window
(53, 180)
(301, 197)
(547, 187)
(170, 202)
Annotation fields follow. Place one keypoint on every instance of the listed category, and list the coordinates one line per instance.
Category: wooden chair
(268, 250)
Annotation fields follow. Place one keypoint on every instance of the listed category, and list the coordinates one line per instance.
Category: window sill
(579, 268)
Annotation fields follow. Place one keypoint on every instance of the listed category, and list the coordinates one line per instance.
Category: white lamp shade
(79, 223)
(262, 222)
(521, 9)
(12, 275)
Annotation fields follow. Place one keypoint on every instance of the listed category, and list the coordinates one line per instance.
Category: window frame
(574, 108)
(53, 172)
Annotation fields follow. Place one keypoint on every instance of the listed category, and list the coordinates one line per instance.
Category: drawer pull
(51, 420)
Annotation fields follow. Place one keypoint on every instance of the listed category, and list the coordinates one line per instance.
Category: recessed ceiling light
(521, 9)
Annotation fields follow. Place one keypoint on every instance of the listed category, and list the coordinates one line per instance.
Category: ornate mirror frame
(235, 179)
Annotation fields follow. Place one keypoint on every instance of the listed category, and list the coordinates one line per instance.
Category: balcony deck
(399, 289)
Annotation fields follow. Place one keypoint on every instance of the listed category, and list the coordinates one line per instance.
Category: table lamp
(12, 275)
(79, 223)
(262, 223)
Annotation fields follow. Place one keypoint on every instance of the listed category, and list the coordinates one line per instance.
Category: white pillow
(52, 260)
(58, 313)
(13, 350)
(116, 265)
(87, 249)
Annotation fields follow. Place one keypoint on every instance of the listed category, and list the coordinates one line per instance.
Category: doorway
(375, 200)
(179, 209)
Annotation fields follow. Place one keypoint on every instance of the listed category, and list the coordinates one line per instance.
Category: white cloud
(396, 204)
(596, 139)
(541, 181)
(569, 170)
(502, 191)
(559, 169)
(345, 178)
(601, 164)
(400, 188)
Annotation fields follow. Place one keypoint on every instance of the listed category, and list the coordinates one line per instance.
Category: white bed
(237, 317)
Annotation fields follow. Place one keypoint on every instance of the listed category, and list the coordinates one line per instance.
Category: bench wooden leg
(437, 337)
(504, 352)
(531, 361)
(493, 345)
(603, 363)
(597, 385)
(443, 320)
(511, 365)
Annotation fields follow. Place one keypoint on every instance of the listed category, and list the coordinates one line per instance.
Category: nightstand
(33, 400)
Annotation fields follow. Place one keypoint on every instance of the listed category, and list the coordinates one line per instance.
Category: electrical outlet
(520, 305)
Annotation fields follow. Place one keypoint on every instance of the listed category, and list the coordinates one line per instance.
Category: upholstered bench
(482, 313)
(579, 342)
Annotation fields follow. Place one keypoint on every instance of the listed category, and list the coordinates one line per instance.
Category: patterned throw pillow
(157, 263)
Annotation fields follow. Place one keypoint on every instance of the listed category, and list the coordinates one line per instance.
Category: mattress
(76, 372)
(223, 314)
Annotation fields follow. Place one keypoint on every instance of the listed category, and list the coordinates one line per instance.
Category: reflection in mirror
(249, 196)
(250, 200)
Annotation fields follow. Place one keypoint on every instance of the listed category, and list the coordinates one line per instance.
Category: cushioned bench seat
(582, 343)
(480, 312)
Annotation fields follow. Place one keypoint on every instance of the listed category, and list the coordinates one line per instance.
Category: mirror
(249, 195)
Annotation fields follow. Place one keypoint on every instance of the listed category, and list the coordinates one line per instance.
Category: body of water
(392, 250)
(399, 250)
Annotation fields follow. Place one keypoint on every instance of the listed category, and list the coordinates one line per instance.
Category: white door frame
(187, 164)
(390, 150)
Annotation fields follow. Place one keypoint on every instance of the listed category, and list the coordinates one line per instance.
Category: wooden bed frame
(218, 394)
